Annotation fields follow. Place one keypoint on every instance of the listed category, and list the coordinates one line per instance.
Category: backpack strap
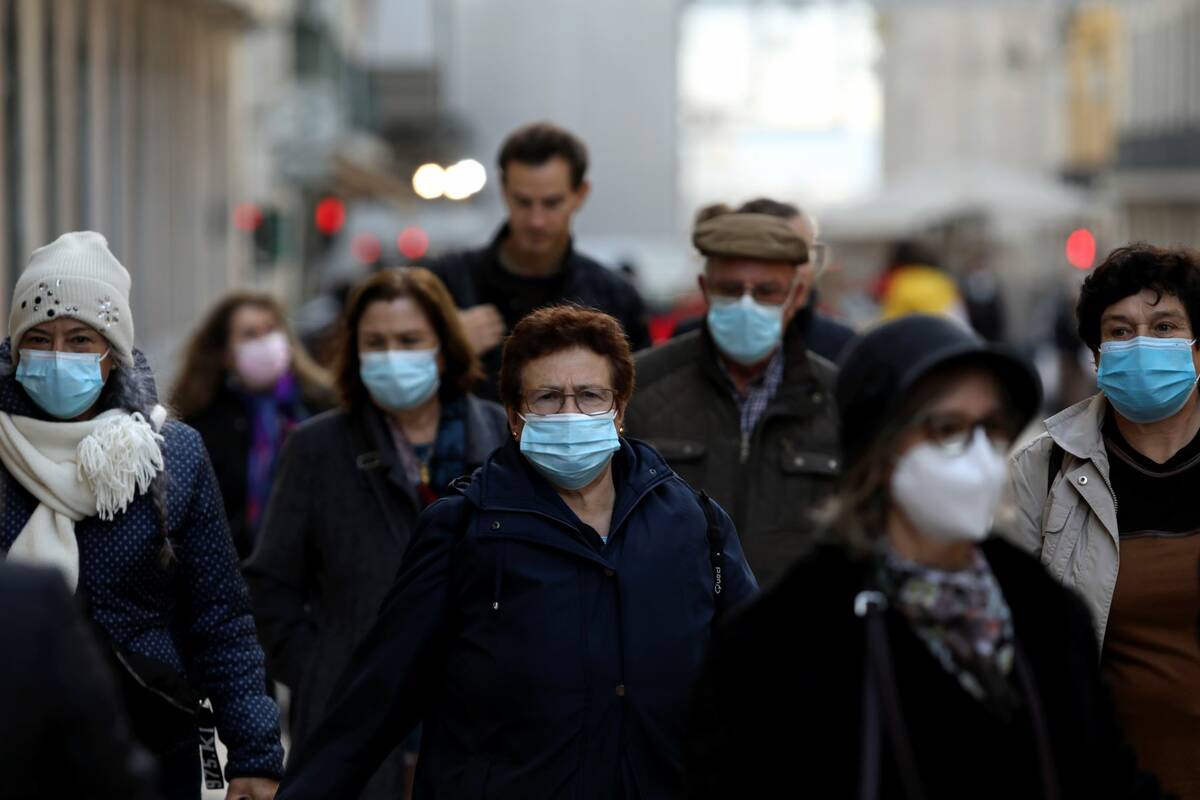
(715, 539)
(1057, 454)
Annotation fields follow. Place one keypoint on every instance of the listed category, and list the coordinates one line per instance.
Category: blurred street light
(429, 181)
(247, 217)
(464, 179)
(1081, 249)
(330, 216)
(413, 242)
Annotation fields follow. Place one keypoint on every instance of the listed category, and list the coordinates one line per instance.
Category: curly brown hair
(203, 369)
(557, 328)
(431, 295)
(1127, 271)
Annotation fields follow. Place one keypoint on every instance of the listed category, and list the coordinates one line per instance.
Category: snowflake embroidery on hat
(109, 315)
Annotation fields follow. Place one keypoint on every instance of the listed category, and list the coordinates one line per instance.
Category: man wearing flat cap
(740, 408)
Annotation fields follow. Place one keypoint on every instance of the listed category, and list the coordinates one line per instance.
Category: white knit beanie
(75, 276)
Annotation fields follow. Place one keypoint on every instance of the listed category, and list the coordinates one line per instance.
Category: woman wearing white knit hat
(96, 481)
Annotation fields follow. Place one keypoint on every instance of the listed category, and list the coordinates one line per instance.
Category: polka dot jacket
(191, 611)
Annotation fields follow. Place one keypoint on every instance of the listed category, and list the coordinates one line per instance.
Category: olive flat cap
(760, 237)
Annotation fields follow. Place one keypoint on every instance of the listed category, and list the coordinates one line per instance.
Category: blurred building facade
(1155, 175)
(119, 116)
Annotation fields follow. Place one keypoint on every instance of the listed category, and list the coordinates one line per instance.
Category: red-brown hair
(431, 296)
(557, 328)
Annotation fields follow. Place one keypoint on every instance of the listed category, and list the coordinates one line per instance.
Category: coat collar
(508, 482)
(479, 444)
(1079, 429)
(567, 268)
(800, 392)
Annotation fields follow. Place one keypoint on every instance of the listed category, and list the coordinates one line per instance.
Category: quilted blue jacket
(194, 614)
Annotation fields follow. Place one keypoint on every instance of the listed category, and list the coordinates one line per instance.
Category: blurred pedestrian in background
(740, 408)
(1106, 498)
(65, 733)
(99, 484)
(914, 282)
(911, 656)
(244, 384)
(531, 263)
(352, 482)
(551, 614)
(823, 335)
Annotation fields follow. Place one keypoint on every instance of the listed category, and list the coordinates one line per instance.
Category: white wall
(973, 82)
(605, 70)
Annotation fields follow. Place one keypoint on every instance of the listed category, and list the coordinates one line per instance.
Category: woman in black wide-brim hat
(913, 656)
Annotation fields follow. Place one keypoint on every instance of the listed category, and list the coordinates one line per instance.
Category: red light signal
(1081, 249)
(330, 216)
(413, 242)
(247, 217)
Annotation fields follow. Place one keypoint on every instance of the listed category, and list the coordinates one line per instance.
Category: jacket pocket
(679, 450)
(1056, 530)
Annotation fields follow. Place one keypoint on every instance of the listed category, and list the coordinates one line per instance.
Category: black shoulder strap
(715, 551)
(1057, 454)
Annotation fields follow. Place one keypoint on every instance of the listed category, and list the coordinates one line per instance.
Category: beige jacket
(1074, 528)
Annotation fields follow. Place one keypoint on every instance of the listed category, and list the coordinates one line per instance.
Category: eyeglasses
(590, 400)
(954, 432)
(771, 293)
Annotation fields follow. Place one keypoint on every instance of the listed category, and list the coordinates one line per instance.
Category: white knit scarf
(77, 470)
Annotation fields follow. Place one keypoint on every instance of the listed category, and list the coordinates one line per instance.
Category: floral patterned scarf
(963, 619)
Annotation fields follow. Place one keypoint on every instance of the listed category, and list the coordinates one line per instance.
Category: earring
(621, 429)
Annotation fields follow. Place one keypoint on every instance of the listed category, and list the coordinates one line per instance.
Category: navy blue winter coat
(544, 662)
(192, 614)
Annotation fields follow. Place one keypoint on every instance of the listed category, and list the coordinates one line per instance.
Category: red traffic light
(1081, 249)
(330, 216)
(247, 217)
(413, 242)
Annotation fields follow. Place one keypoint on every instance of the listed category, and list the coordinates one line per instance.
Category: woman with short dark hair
(912, 656)
(1106, 498)
(551, 613)
(352, 482)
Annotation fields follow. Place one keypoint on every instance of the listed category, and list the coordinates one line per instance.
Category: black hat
(879, 369)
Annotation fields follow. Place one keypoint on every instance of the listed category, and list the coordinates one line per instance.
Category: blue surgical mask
(400, 379)
(570, 450)
(744, 330)
(1147, 379)
(64, 385)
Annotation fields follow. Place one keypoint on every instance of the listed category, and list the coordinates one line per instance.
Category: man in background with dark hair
(531, 262)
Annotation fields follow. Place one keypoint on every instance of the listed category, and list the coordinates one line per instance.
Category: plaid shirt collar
(759, 393)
